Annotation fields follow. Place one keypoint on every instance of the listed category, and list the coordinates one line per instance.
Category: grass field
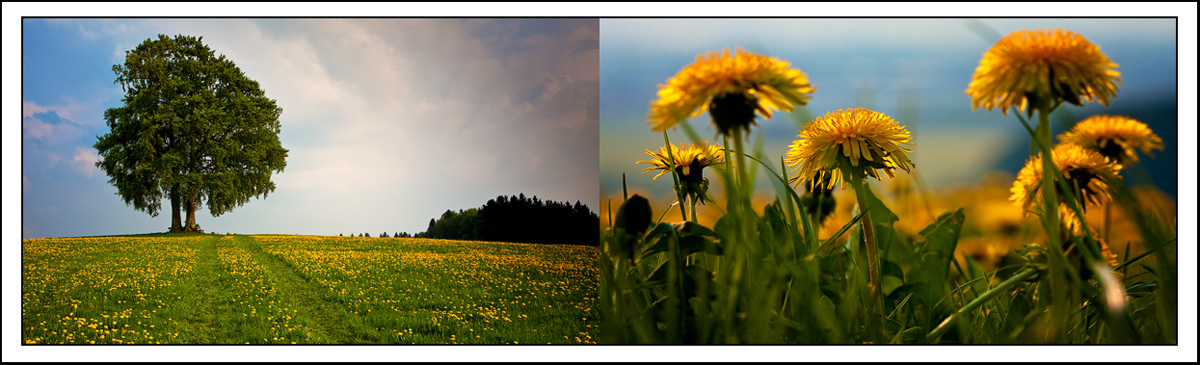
(282, 289)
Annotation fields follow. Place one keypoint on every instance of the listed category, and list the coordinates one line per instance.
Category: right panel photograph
(913, 181)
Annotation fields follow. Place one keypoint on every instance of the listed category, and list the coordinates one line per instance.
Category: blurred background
(914, 70)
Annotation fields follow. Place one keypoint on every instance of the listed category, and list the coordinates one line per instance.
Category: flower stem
(872, 251)
(1057, 260)
(741, 159)
(693, 210)
(679, 194)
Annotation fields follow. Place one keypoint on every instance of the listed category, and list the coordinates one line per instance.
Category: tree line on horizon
(519, 219)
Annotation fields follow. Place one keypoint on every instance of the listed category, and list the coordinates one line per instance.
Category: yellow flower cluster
(103, 290)
(264, 316)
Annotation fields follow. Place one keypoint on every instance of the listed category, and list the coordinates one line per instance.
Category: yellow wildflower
(1039, 69)
(1087, 172)
(732, 88)
(689, 162)
(867, 139)
(1115, 137)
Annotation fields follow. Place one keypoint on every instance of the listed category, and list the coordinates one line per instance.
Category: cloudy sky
(389, 122)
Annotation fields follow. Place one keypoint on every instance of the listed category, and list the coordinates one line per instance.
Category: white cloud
(35, 128)
(93, 29)
(84, 161)
(29, 108)
(53, 160)
(80, 113)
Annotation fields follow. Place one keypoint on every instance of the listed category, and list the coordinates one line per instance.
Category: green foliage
(463, 225)
(761, 278)
(192, 128)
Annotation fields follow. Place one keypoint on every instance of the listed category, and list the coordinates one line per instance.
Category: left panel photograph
(299, 181)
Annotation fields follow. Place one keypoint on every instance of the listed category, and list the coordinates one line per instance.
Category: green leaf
(691, 244)
(725, 228)
(890, 283)
(827, 306)
(880, 214)
(978, 277)
(891, 268)
(941, 236)
(828, 246)
(657, 277)
(657, 239)
(1141, 288)
(690, 228)
(1018, 309)
(911, 335)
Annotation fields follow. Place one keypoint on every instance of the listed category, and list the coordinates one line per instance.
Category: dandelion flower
(1085, 170)
(1115, 137)
(689, 162)
(732, 88)
(1039, 69)
(865, 139)
(1109, 256)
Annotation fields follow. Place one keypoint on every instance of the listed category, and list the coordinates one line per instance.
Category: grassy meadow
(284, 289)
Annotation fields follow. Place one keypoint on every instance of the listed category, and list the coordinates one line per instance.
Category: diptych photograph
(641, 188)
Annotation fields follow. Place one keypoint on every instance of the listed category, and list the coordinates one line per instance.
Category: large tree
(192, 129)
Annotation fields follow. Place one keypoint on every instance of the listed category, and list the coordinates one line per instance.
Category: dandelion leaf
(977, 277)
(657, 277)
(658, 240)
(942, 236)
(890, 283)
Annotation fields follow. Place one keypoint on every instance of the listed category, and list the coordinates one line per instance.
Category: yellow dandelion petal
(1087, 169)
(1109, 256)
(686, 157)
(868, 139)
(1115, 137)
(1037, 69)
(689, 162)
(746, 82)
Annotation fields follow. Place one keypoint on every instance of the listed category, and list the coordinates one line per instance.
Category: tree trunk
(191, 215)
(175, 219)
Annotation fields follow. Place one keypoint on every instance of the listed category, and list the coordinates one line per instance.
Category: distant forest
(519, 219)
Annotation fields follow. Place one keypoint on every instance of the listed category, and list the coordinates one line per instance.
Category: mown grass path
(328, 321)
(203, 321)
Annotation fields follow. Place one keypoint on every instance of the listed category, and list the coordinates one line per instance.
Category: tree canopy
(193, 128)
